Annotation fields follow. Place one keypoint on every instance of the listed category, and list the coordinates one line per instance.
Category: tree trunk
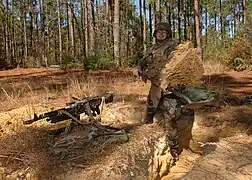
(221, 21)
(197, 24)
(45, 31)
(154, 18)
(83, 25)
(188, 17)
(14, 40)
(31, 28)
(150, 22)
(173, 25)
(70, 28)
(37, 30)
(131, 36)
(206, 25)
(215, 18)
(234, 16)
(107, 25)
(179, 21)
(144, 26)
(168, 13)
(86, 25)
(158, 11)
(91, 26)
(74, 24)
(5, 44)
(25, 35)
(117, 33)
(154, 14)
(7, 33)
(59, 32)
(184, 17)
(244, 11)
(141, 21)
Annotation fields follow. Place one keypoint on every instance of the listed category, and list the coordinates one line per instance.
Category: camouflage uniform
(151, 65)
(170, 110)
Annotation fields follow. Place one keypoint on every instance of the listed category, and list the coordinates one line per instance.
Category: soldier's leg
(168, 109)
(152, 103)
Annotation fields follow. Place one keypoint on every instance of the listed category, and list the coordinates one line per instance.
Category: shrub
(98, 61)
(240, 55)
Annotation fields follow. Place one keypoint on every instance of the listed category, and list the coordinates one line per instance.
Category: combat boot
(175, 156)
(148, 118)
(149, 115)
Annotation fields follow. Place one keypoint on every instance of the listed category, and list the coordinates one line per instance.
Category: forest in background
(96, 34)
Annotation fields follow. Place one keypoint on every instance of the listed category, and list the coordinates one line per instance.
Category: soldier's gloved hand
(144, 78)
(136, 72)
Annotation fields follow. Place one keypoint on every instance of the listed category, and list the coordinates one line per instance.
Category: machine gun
(88, 106)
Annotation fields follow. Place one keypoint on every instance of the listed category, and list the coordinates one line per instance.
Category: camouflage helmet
(163, 26)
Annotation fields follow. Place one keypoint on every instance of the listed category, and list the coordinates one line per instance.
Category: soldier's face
(161, 35)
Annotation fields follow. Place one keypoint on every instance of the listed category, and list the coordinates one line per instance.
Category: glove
(144, 78)
(136, 72)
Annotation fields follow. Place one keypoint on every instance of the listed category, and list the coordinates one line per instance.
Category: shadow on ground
(233, 82)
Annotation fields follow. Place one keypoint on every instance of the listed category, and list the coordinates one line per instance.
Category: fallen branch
(9, 157)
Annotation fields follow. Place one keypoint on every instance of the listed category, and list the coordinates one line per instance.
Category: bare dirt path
(236, 83)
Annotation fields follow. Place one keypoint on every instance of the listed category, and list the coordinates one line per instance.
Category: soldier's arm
(169, 49)
(141, 64)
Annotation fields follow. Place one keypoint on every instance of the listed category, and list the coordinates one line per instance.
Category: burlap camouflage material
(184, 66)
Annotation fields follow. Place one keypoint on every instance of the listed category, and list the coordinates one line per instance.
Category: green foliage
(43, 43)
(32, 62)
(68, 61)
(3, 63)
(216, 49)
(98, 61)
(129, 61)
(67, 58)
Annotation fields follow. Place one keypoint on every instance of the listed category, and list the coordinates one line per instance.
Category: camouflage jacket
(156, 58)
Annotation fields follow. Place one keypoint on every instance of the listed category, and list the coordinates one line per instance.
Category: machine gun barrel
(48, 115)
(74, 109)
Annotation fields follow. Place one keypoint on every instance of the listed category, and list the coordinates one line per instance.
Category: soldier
(150, 67)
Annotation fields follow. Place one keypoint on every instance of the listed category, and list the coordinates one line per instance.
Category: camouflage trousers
(170, 111)
(153, 100)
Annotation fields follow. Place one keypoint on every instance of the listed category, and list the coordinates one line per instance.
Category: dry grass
(23, 147)
(211, 67)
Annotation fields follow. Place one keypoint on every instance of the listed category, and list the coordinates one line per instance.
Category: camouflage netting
(185, 67)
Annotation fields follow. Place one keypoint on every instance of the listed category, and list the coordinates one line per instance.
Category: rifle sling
(71, 116)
